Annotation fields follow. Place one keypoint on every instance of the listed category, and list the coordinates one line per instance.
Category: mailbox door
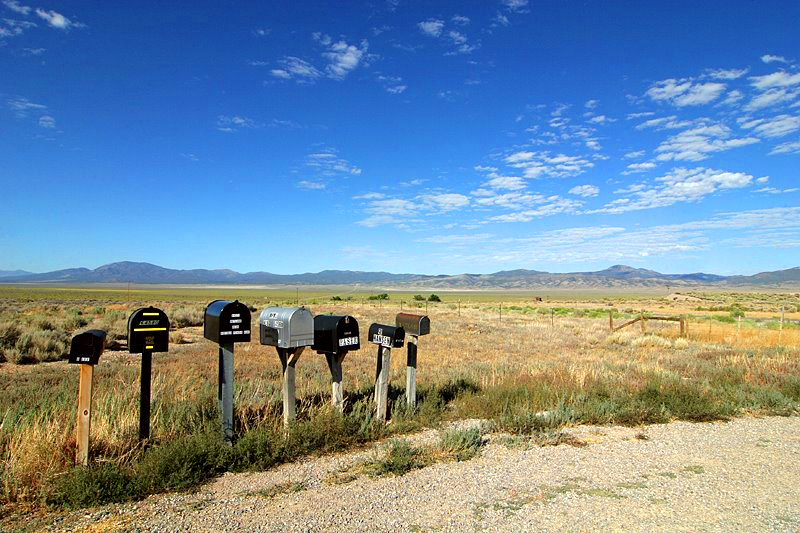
(234, 323)
(301, 328)
(148, 330)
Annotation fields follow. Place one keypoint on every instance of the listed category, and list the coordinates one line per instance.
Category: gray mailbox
(286, 327)
(290, 330)
(415, 326)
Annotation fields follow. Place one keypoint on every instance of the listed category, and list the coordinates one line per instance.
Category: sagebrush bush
(183, 317)
(651, 341)
(462, 444)
(97, 484)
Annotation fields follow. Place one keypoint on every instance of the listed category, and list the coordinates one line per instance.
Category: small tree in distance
(434, 298)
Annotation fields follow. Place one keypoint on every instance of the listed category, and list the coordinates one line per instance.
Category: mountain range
(617, 276)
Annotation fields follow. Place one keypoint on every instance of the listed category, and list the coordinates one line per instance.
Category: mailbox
(225, 322)
(387, 336)
(286, 327)
(148, 330)
(335, 334)
(415, 325)
(87, 347)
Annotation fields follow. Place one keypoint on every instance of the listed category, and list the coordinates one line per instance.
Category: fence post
(611, 320)
(641, 319)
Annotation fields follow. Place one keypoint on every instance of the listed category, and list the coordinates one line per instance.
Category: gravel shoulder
(742, 475)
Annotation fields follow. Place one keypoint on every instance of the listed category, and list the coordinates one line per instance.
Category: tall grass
(527, 374)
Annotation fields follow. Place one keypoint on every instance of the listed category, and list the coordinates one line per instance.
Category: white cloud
(22, 106)
(543, 164)
(344, 58)
(457, 239)
(631, 116)
(767, 58)
(684, 92)
(775, 126)
(585, 190)
(773, 190)
(664, 123)
(728, 74)
(460, 20)
(46, 121)
(310, 185)
(732, 97)
(57, 20)
(640, 167)
(379, 220)
(328, 164)
(506, 182)
(518, 6)
(514, 201)
(776, 79)
(555, 206)
(601, 119)
(297, 69)
(697, 143)
(370, 196)
(772, 97)
(634, 155)
(15, 6)
(444, 201)
(787, 148)
(230, 124)
(431, 27)
(681, 185)
(591, 104)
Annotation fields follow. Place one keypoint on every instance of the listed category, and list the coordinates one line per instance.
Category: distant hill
(617, 276)
(13, 273)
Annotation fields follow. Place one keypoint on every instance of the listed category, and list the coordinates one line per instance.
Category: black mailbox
(225, 322)
(335, 334)
(413, 324)
(387, 336)
(148, 330)
(86, 347)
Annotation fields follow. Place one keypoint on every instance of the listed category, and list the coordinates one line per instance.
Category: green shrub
(336, 298)
(183, 317)
(94, 485)
(462, 444)
(9, 334)
(434, 298)
(400, 458)
(182, 463)
(419, 298)
(41, 345)
(382, 296)
(259, 449)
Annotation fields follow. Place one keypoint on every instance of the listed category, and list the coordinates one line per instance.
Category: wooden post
(682, 329)
(411, 372)
(226, 391)
(686, 327)
(382, 382)
(144, 395)
(289, 357)
(335, 366)
(84, 414)
(611, 320)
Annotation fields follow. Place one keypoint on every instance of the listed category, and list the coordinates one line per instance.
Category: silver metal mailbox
(286, 327)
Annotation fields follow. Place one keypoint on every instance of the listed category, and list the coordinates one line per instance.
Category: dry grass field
(529, 366)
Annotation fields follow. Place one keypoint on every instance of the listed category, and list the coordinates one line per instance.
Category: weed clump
(462, 444)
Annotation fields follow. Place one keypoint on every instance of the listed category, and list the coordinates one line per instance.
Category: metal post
(411, 372)
(144, 395)
(84, 414)
(382, 383)
(335, 366)
(226, 391)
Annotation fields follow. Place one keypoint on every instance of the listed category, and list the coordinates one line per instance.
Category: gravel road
(742, 475)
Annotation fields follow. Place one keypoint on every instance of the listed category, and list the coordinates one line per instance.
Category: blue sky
(425, 137)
